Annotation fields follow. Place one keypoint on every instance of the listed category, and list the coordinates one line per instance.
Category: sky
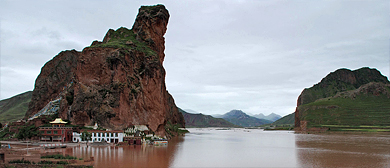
(253, 55)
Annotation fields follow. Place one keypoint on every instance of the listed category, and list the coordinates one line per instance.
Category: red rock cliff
(116, 83)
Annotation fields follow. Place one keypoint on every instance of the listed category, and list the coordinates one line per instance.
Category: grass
(361, 128)
(288, 119)
(126, 39)
(4, 133)
(365, 110)
(171, 129)
(14, 108)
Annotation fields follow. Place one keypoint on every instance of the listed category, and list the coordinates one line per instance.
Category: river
(248, 148)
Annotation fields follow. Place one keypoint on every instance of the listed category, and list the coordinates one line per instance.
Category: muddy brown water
(247, 148)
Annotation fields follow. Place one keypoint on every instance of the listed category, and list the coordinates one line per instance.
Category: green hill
(369, 106)
(286, 120)
(14, 108)
(200, 120)
(346, 98)
(339, 81)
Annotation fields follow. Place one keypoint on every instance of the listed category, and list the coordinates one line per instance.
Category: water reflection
(343, 150)
(127, 156)
(248, 148)
(236, 148)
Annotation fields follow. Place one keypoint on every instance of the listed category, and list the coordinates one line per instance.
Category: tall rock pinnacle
(116, 83)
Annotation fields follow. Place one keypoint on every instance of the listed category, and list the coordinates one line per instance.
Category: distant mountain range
(200, 120)
(271, 117)
(240, 118)
(14, 108)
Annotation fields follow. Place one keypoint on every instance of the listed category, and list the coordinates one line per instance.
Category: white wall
(99, 136)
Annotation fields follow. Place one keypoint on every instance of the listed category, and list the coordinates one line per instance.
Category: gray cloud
(256, 56)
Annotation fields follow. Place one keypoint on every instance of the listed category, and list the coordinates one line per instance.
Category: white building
(99, 136)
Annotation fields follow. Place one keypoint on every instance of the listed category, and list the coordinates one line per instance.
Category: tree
(86, 136)
(27, 132)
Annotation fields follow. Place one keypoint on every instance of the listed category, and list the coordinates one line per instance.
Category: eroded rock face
(116, 83)
(339, 81)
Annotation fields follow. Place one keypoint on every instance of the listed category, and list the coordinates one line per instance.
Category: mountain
(200, 120)
(288, 119)
(217, 115)
(14, 108)
(345, 97)
(238, 117)
(116, 83)
(271, 117)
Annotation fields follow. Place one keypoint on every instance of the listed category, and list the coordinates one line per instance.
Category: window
(62, 131)
(98, 134)
(48, 132)
(42, 132)
(55, 132)
(116, 134)
(104, 134)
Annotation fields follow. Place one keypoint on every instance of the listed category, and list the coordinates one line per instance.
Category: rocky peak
(150, 27)
(235, 114)
(356, 78)
(339, 81)
(116, 83)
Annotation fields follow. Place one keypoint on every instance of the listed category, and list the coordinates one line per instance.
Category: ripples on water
(248, 148)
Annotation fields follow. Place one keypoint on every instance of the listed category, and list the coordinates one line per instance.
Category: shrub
(58, 156)
(20, 161)
(62, 162)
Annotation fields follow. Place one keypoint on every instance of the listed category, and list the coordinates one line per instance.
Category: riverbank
(32, 154)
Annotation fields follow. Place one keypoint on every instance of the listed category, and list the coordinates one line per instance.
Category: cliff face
(341, 81)
(116, 83)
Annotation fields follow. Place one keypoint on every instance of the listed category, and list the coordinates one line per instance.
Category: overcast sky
(256, 56)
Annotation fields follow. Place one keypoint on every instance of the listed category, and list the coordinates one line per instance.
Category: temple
(57, 132)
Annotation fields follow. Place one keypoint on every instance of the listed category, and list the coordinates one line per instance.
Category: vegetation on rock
(27, 132)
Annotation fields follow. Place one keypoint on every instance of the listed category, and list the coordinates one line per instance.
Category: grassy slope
(365, 109)
(286, 120)
(200, 120)
(14, 108)
(358, 110)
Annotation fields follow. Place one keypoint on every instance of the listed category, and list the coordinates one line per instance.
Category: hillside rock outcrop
(341, 81)
(116, 83)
